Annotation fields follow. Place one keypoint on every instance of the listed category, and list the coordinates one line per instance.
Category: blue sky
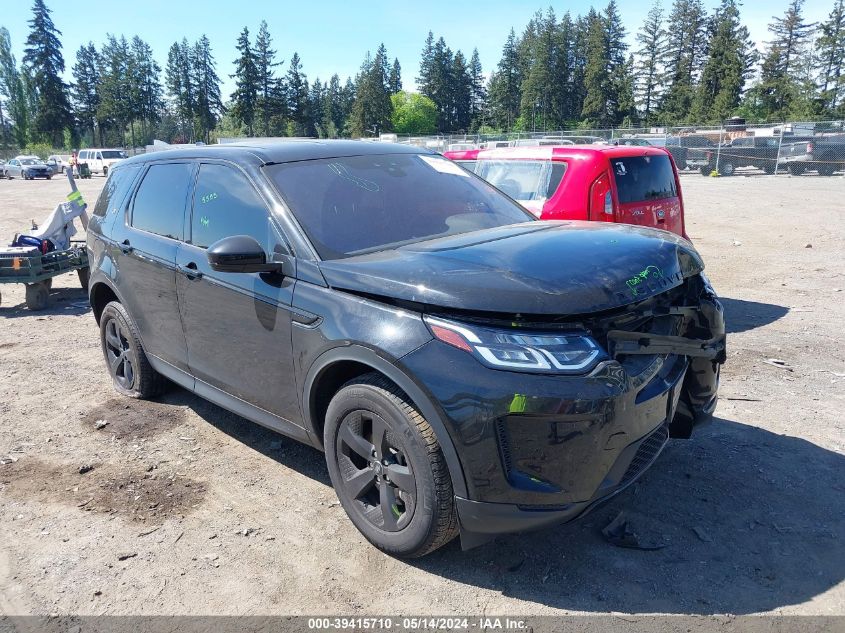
(332, 35)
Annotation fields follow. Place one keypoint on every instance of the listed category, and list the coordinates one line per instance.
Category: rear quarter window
(116, 188)
(641, 178)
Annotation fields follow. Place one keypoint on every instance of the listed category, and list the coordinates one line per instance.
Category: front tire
(726, 169)
(127, 363)
(826, 169)
(387, 468)
(796, 169)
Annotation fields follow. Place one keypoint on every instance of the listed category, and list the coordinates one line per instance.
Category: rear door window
(159, 205)
(642, 178)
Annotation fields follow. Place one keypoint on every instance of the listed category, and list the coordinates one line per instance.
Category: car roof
(548, 152)
(282, 151)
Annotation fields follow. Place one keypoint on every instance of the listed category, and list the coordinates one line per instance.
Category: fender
(99, 277)
(365, 356)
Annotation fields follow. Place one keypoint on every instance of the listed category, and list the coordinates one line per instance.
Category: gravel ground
(184, 508)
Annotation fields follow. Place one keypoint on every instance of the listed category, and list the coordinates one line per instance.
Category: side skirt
(230, 402)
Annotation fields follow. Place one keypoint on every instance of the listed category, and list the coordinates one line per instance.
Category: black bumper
(480, 521)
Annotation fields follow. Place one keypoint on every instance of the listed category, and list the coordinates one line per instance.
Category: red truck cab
(604, 183)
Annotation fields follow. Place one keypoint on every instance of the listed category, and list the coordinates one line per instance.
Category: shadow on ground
(751, 520)
(742, 315)
(63, 301)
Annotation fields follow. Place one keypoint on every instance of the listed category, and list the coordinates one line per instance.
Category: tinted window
(523, 180)
(160, 202)
(357, 204)
(225, 204)
(83, 154)
(116, 188)
(112, 153)
(640, 178)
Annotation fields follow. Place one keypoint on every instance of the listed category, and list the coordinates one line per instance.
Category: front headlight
(518, 350)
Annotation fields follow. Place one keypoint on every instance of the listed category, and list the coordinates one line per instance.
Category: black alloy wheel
(120, 357)
(375, 471)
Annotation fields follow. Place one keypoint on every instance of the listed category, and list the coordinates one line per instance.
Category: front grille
(647, 452)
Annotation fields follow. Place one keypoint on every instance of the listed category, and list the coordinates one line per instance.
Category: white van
(100, 160)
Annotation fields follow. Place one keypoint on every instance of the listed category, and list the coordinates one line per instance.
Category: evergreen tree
(316, 95)
(245, 97)
(652, 40)
(780, 80)
(270, 102)
(297, 99)
(731, 57)
(372, 110)
(685, 47)
(394, 81)
(436, 81)
(596, 76)
(116, 108)
(620, 99)
(208, 106)
(180, 88)
(146, 85)
(331, 114)
(86, 88)
(831, 48)
(537, 57)
(504, 88)
(461, 94)
(478, 93)
(43, 55)
(425, 78)
(12, 90)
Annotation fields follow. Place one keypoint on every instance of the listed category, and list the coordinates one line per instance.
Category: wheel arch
(99, 295)
(337, 366)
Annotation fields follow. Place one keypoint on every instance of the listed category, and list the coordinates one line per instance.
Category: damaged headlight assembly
(516, 350)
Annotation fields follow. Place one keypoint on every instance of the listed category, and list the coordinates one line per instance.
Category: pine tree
(780, 78)
(685, 48)
(115, 109)
(86, 88)
(146, 86)
(425, 78)
(394, 81)
(652, 40)
(316, 95)
(245, 96)
(436, 81)
(43, 55)
(596, 76)
(179, 86)
(206, 83)
(505, 83)
(331, 115)
(461, 94)
(478, 93)
(537, 56)
(619, 69)
(270, 102)
(297, 96)
(372, 109)
(731, 57)
(12, 89)
(831, 47)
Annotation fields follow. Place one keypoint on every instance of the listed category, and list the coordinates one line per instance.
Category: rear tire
(826, 170)
(796, 169)
(726, 169)
(127, 363)
(37, 295)
(387, 468)
(706, 170)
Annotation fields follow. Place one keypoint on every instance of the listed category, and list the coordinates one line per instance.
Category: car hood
(542, 268)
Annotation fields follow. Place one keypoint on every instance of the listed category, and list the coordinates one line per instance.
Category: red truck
(604, 183)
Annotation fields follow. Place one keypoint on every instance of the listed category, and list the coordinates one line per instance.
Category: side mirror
(239, 254)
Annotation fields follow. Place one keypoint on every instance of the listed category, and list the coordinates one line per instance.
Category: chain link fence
(796, 147)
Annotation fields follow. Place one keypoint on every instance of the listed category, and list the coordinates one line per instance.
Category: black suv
(466, 368)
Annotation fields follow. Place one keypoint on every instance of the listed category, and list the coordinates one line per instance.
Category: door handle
(125, 247)
(189, 270)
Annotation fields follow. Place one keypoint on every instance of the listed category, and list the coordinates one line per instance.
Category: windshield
(30, 161)
(357, 204)
(640, 178)
(523, 180)
(113, 153)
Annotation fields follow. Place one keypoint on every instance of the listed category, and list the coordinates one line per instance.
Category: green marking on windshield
(204, 220)
(209, 197)
(634, 283)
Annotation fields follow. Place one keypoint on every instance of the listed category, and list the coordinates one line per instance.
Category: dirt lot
(188, 509)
